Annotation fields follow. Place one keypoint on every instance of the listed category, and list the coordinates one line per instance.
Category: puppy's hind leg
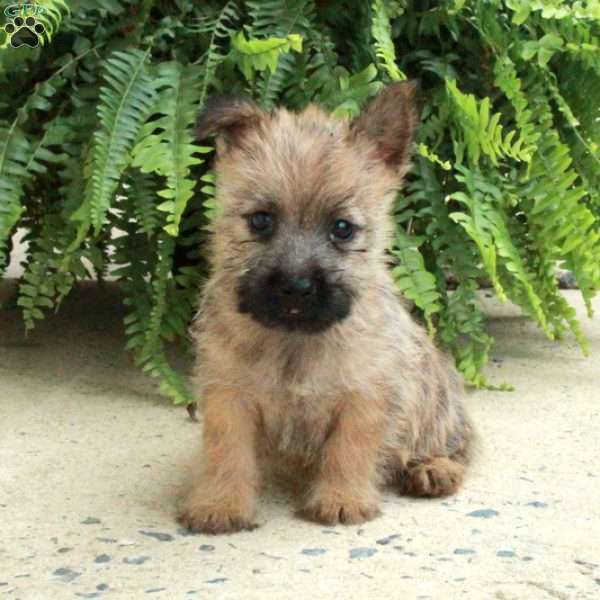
(436, 466)
(439, 470)
(432, 477)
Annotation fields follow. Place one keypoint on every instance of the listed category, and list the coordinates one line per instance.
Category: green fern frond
(504, 189)
(145, 273)
(141, 189)
(413, 279)
(261, 54)
(51, 16)
(554, 9)
(555, 189)
(147, 328)
(479, 131)
(212, 208)
(385, 51)
(462, 329)
(125, 102)
(45, 284)
(353, 91)
(507, 79)
(221, 28)
(461, 319)
(485, 223)
(20, 166)
(589, 147)
(316, 73)
(580, 88)
(166, 146)
(426, 152)
(15, 153)
(19, 156)
(272, 83)
(279, 18)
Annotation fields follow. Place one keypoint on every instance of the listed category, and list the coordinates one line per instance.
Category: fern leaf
(51, 16)
(353, 92)
(561, 222)
(20, 161)
(15, 152)
(275, 18)
(279, 18)
(125, 102)
(145, 273)
(553, 9)
(507, 79)
(385, 51)
(212, 208)
(18, 155)
(413, 279)
(462, 328)
(221, 29)
(454, 256)
(259, 55)
(272, 83)
(480, 131)
(141, 189)
(166, 146)
(486, 225)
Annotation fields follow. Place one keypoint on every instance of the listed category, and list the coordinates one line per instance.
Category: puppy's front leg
(345, 490)
(223, 499)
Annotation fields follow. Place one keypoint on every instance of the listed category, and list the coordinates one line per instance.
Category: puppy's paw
(330, 509)
(439, 476)
(215, 518)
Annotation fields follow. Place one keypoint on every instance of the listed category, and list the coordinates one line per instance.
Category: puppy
(307, 360)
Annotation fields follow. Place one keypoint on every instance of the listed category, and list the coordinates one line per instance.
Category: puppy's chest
(296, 424)
(298, 392)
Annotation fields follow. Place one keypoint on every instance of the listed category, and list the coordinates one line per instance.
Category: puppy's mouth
(314, 312)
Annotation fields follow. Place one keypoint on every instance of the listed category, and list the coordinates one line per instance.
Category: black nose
(298, 286)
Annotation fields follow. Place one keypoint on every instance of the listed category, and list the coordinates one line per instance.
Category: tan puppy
(307, 359)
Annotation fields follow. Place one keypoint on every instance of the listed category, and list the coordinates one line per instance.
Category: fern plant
(99, 165)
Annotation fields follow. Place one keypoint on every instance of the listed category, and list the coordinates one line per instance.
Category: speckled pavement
(92, 461)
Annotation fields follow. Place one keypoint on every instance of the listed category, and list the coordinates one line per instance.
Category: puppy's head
(305, 200)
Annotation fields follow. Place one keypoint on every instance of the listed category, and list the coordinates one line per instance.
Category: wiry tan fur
(369, 401)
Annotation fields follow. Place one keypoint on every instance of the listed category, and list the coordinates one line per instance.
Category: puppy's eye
(341, 231)
(262, 223)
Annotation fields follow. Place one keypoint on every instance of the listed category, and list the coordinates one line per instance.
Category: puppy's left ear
(230, 119)
(390, 122)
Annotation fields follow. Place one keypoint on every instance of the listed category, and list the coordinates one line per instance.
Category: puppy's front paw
(330, 509)
(215, 518)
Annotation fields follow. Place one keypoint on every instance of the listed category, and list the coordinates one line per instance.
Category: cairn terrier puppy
(307, 359)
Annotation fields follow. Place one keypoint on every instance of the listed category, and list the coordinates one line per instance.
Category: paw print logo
(24, 32)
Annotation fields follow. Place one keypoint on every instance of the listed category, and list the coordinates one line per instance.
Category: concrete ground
(92, 461)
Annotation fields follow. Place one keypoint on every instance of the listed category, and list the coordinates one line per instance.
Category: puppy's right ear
(230, 119)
